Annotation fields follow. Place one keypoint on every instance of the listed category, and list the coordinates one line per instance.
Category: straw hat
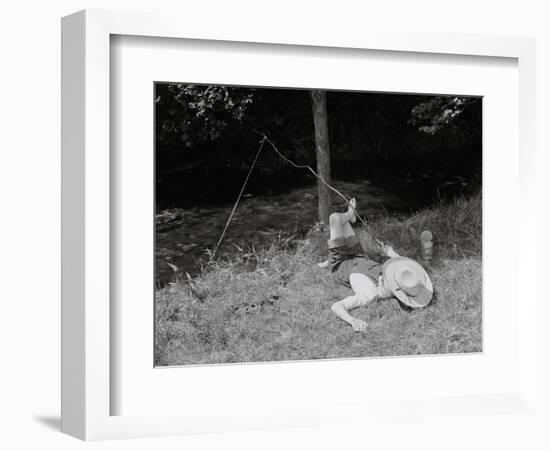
(408, 281)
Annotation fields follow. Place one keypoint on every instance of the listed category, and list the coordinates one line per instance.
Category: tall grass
(274, 303)
(456, 226)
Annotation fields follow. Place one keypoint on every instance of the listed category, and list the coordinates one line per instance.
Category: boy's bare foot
(352, 205)
(359, 325)
(323, 265)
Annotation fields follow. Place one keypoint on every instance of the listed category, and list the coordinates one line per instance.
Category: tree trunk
(322, 151)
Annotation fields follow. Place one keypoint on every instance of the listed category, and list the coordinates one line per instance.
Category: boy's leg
(339, 228)
(340, 223)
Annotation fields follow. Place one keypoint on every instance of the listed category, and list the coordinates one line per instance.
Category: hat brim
(424, 295)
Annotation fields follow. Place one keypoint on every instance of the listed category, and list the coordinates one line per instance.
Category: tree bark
(322, 151)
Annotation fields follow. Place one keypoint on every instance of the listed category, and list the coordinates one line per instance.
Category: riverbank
(274, 304)
(185, 235)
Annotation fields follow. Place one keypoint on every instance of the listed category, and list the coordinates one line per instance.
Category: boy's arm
(341, 310)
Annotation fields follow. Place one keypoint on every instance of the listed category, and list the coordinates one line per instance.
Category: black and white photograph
(306, 224)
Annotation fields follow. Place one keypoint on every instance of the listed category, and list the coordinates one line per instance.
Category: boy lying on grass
(398, 276)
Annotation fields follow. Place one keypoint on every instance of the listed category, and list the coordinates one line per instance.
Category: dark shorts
(347, 257)
(362, 265)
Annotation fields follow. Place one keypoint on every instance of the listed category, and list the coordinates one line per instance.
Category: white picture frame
(87, 353)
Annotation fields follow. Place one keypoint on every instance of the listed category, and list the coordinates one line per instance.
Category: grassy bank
(274, 303)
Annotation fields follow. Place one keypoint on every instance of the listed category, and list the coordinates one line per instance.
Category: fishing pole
(263, 140)
(320, 178)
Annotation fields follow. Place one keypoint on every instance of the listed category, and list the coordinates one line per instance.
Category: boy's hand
(352, 205)
(359, 325)
(389, 251)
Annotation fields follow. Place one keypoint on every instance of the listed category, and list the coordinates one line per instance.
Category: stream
(184, 235)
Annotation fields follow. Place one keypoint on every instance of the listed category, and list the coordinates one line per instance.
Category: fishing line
(262, 142)
(298, 166)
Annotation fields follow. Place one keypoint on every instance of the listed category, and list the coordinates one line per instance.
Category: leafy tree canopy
(190, 115)
(206, 127)
(439, 112)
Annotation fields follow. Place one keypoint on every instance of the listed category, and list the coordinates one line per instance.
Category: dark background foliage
(207, 137)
